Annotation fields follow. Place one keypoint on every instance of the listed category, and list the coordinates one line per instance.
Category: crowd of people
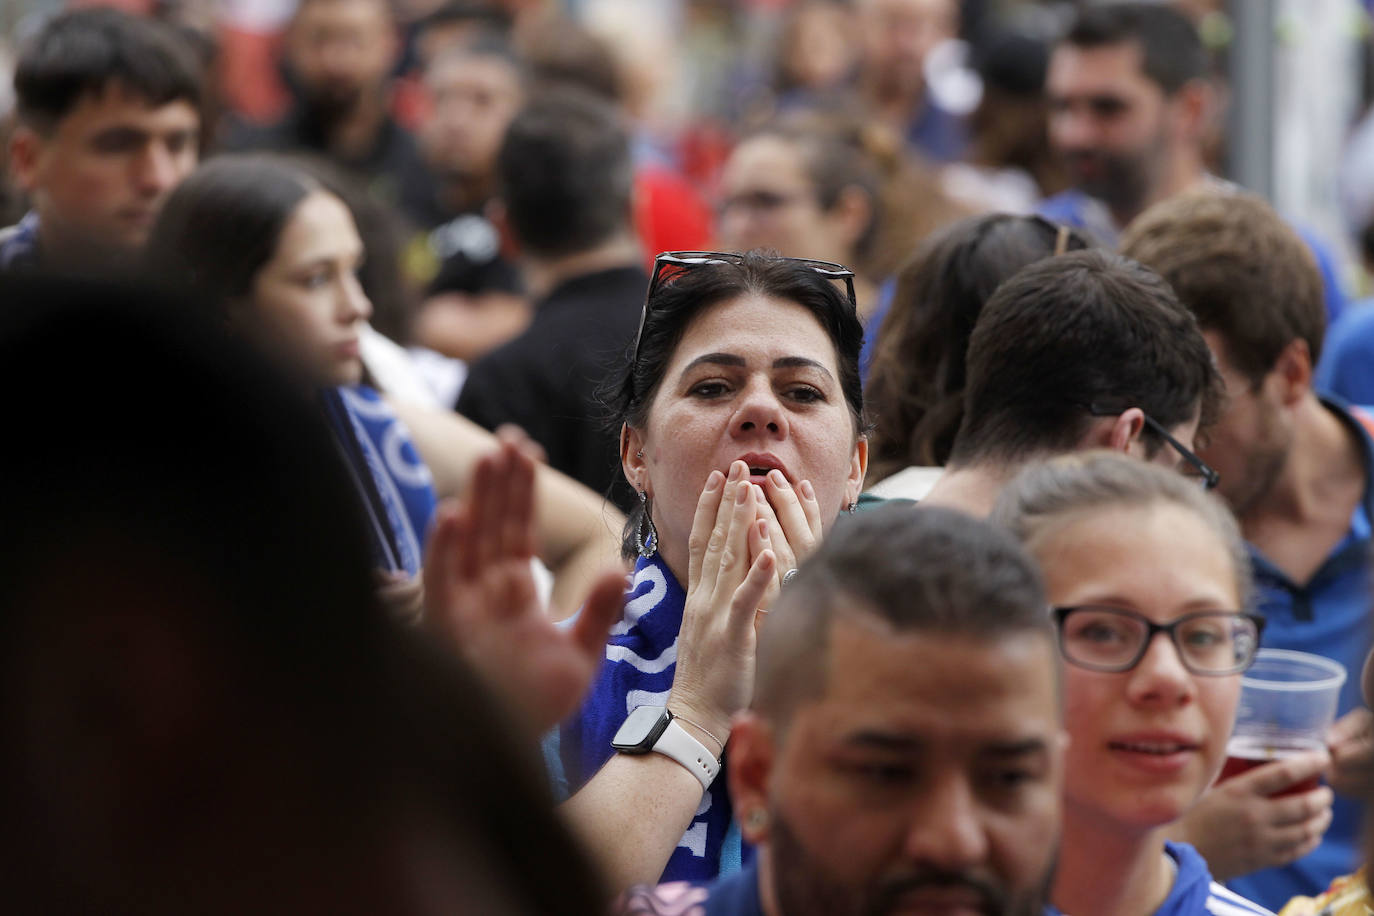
(865, 497)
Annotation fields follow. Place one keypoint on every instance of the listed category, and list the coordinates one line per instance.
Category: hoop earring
(646, 535)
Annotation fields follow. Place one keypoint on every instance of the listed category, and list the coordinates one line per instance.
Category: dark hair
(221, 225)
(925, 570)
(1085, 328)
(1240, 268)
(560, 52)
(676, 305)
(1171, 50)
(565, 173)
(916, 383)
(463, 12)
(84, 52)
(244, 541)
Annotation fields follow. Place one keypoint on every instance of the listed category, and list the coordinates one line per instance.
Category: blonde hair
(1046, 495)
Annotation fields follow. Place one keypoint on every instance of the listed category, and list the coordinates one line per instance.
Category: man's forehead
(116, 101)
(1097, 68)
(880, 677)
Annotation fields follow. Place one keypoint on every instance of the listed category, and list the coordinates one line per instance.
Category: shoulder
(1195, 893)
(1221, 901)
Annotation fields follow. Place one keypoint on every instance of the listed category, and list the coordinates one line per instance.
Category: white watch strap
(677, 744)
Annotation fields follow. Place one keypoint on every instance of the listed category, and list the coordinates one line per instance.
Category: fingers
(517, 476)
(1290, 842)
(750, 593)
(1352, 731)
(439, 561)
(735, 496)
(789, 513)
(1301, 808)
(1272, 778)
(812, 508)
(709, 506)
(602, 608)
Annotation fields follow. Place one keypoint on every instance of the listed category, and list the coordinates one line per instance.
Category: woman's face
(307, 304)
(756, 379)
(1145, 743)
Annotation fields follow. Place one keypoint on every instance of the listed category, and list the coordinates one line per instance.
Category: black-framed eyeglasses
(1196, 469)
(1114, 640)
(671, 264)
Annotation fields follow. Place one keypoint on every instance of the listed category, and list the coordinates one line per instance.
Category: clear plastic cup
(1287, 703)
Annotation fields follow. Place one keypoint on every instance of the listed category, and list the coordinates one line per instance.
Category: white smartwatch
(653, 729)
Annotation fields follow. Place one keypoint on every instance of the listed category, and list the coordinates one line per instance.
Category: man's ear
(1116, 433)
(1194, 107)
(1293, 370)
(749, 766)
(853, 210)
(1125, 430)
(26, 154)
(495, 212)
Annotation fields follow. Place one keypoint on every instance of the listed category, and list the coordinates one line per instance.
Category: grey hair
(1047, 494)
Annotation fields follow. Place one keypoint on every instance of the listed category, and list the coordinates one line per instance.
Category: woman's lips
(760, 463)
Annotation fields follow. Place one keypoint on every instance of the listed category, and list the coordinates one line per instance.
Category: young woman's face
(755, 379)
(1145, 743)
(307, 304)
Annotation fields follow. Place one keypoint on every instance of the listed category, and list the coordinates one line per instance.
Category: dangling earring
(853, 507)
(645, 533)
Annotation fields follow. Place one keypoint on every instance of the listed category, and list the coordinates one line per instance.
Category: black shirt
(546, 380)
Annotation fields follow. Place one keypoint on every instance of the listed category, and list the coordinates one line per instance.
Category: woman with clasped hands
(743, 434)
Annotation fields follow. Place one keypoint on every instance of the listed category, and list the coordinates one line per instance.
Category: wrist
(712, 728)
(714, 740)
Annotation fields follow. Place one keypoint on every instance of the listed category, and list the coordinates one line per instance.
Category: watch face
(641, 729)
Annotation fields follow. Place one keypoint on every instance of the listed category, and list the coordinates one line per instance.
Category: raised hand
(726, 582)
(480, 595)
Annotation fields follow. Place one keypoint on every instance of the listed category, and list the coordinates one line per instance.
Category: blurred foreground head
(201, 708)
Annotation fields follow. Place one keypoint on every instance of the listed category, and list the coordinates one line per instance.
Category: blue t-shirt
(1346, 367)
(1329, 616)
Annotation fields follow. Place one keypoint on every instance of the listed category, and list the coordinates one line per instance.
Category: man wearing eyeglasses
(1080, 351)
(1296, 468)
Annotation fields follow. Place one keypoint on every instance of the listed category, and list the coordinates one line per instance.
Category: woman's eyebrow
(735, 361)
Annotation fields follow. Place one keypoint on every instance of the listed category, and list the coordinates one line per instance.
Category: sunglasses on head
(670, 265)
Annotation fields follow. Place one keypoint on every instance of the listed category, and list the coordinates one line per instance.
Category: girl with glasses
(1150, 581)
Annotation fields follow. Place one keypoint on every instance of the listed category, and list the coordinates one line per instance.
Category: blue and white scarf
(395, 484)
(19, 243)
(641, 659)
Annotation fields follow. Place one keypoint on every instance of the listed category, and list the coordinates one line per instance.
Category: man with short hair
(1131, 107)
(898, 37)
(1083, 350)
(565, 178)
(475, 299)
(1296, 468)
(340, 55)
(910, 665)
(108, 123)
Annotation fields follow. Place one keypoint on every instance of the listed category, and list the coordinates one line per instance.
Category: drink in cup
(1287, 703)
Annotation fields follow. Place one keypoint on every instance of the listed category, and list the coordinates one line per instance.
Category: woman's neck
(1107, 869)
